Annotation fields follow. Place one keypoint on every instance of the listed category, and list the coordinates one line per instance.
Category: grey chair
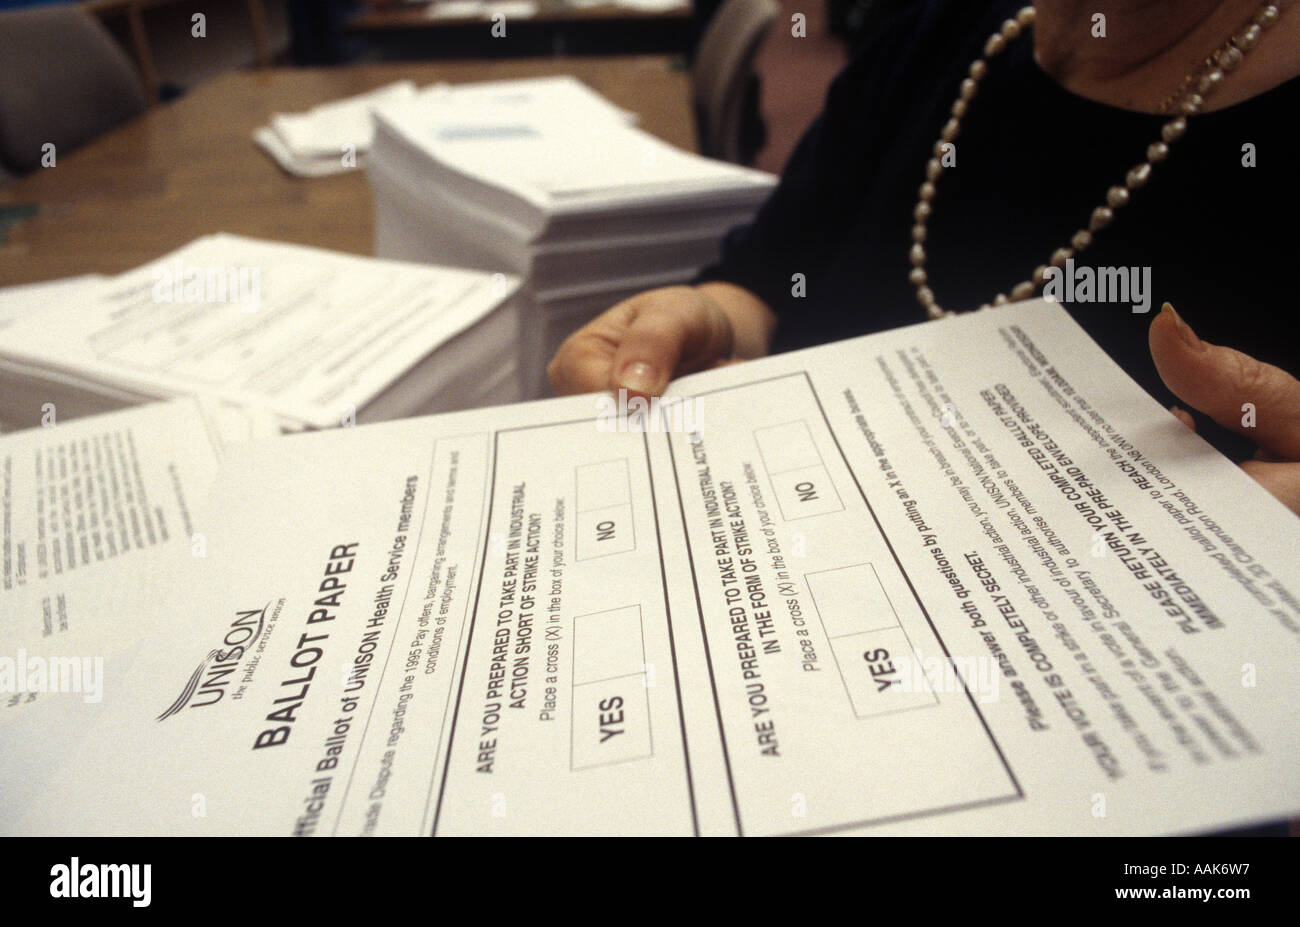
(723, 70)
(63, 80)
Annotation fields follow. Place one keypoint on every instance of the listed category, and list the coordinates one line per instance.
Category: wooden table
(190, 168)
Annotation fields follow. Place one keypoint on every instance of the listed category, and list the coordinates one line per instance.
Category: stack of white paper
(328, 139)
(652, 6)
(546, 179)
(25, 390)
(645, 6)
(17, 301)
(315, 337)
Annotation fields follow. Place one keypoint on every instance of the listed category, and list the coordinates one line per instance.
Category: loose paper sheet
(96, 513)
(96, 506)
(332, 128)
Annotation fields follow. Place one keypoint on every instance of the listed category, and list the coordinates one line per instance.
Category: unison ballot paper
(91, 507)
(94, 510)
(962, 577)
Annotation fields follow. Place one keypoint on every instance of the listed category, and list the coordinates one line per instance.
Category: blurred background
(789, 77)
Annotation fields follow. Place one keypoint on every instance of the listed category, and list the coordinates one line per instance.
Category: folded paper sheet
(331, 138)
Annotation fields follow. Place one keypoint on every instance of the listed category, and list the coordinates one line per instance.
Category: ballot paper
(546, 179)
(95, 513)
(652, 6)
(645, 6)
(867, 587)
(455, 9)
(26, 391)
(481, 9)
(511, 9)
(476, 108)
(593, 170)
(567, 163)
(16, 301)
(317, 337)
(93, 506)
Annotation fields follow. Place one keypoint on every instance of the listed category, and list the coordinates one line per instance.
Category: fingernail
(1183, 416)
(638, 377)
(1184, 330)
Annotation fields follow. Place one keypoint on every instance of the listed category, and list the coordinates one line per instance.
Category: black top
(1033, 160)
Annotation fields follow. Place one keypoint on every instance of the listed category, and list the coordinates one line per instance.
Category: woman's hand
(1219, 382)
(644, 342)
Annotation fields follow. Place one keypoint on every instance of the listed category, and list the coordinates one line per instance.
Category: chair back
(723, 66)
(63, 81)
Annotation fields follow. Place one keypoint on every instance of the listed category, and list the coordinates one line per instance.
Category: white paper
(646, 6)
(332, 128)
(652, 6)
(16, 301)
(455, 9)
(96, 512)
(300, 165)
(564, 157)
(598, 165)
(310, 335)
(867, 587)
(473, 108)
(97, 504)
(29, 394)
(511, 9)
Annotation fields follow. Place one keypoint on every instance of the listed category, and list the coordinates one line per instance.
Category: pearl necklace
(1184, 100)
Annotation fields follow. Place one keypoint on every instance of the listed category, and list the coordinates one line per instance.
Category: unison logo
(208, 683)
(1083, 284)
(76, 879)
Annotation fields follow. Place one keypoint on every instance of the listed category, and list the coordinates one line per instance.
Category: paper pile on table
(317, 338)
(327, 139)
(546, 179)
